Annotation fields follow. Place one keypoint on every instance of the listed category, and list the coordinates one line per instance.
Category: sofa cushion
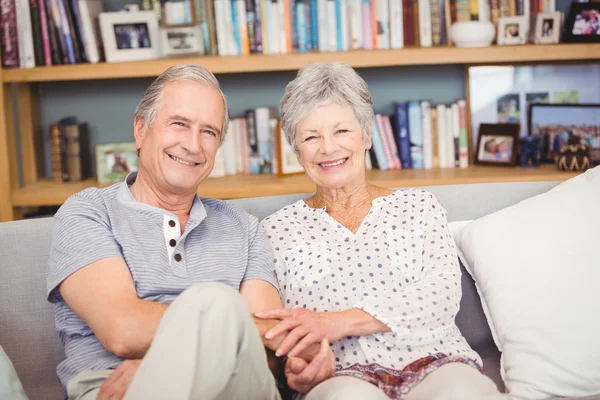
(10, 385)
(536, 266)
(27, 330)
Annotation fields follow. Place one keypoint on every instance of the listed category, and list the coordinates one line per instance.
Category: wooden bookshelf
(47, 192)
(287, 62)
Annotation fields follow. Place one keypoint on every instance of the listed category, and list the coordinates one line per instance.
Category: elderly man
(154, 287)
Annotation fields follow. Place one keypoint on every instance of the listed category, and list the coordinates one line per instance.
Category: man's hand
(303, 377)
(305, 328)
(115, 387)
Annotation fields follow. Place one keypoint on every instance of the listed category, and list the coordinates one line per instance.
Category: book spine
(56, 43)
(387, 146)
(427, 140)
(36, 30)
(367, 35)
(383, 21)
(308, 27)
(287, 26)
(78, 30)
(378, 147)
(25, 40)
(396, 25)
(425, 23)
(9, 35)
(387, 126)
(254, 166)
(65, 31)
(314, 25)
(47, 50)
(213, 47)
(235, 24)
(416, 134)
(338, 25)
(435, 154)
(403, 134)
(332, 25)
(301, 26)
(436, 22)
(463, 141)
(322, 23)
(258, 29)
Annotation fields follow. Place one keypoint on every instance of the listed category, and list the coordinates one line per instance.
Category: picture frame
(512, 30)
(583, 23)
(130, 35)
(182, 39)
(548, 27)
(114, 161)
(497, 145)
(555, 123)
(287, 161)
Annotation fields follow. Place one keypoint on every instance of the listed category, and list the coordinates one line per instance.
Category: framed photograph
(548, 28)
(512, 30)
(583, 23)
(130, 35)
(114, 161)
(177, 40)
(497, 145)
(556, 123)
(287, 161)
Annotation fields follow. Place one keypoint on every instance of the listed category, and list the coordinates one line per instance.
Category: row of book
(418, 135)
(241, 27)
(49, 32)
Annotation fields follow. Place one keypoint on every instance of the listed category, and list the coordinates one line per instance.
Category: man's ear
(139, 131)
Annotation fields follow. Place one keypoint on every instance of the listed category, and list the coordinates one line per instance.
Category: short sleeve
(260, 255)
(81, 235)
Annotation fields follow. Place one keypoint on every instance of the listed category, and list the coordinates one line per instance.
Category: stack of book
(69, 150)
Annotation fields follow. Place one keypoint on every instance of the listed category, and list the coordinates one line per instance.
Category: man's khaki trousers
(206, 347)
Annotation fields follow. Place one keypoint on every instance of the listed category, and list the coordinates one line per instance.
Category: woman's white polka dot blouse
(400, 266)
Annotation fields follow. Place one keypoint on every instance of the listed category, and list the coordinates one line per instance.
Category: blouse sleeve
(425, 310)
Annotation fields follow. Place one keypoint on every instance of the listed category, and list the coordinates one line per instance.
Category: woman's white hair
(152, 99)
(322, 84)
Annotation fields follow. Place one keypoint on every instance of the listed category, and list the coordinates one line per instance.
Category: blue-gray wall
(108, 106)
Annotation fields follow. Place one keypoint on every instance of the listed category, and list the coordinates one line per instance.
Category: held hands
(305, 328)
(302, 376)
(116, 385)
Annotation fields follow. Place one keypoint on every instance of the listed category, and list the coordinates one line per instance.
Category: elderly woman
(372, 270)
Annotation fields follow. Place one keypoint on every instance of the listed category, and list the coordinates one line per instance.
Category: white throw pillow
(537, 268)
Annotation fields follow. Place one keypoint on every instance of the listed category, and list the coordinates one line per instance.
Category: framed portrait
(114, 161)
(512, 30)
(556, 123)
(548, 28)
(287, 161)
(583, 23)
(177, 40)
(130, 35)
(497, 145)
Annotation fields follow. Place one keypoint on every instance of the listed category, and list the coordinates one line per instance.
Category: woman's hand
(305, 327)
(303, 377)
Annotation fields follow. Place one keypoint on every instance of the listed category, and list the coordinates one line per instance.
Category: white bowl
(473, 34)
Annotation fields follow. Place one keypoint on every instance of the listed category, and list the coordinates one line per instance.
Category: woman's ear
(369, 141)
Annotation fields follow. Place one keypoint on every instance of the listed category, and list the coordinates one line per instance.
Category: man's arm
(103, 295)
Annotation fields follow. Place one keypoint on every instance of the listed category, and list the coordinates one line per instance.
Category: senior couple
(349, 294)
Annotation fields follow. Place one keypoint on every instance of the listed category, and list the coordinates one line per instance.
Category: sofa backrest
(27, 331)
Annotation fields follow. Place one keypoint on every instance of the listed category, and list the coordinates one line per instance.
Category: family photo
(496, 148)
(132, 36)
(587, 23)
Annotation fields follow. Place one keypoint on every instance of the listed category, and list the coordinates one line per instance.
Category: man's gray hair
(152, 99)
(322, 84)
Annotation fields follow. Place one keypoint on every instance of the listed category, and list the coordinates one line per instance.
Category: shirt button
(177, 257)
(172, 242)
(172, 224)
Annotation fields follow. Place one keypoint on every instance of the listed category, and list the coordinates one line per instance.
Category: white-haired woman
(372, 270)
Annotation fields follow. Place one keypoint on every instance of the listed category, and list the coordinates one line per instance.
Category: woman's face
(331, 147)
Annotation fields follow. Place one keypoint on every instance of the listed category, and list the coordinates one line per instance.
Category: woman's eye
(342, 131)
(310, 138)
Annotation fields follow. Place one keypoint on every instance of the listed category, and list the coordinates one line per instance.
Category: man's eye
(178, 123)
(212, 133)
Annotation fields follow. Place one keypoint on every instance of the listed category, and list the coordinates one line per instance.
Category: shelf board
(50, 193)
(290, 62)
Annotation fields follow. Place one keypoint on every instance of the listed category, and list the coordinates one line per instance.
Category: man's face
(177, 151)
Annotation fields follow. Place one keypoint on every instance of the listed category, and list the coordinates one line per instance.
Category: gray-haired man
(152, 285)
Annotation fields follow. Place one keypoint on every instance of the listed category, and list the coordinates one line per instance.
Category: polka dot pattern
(400, 267)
